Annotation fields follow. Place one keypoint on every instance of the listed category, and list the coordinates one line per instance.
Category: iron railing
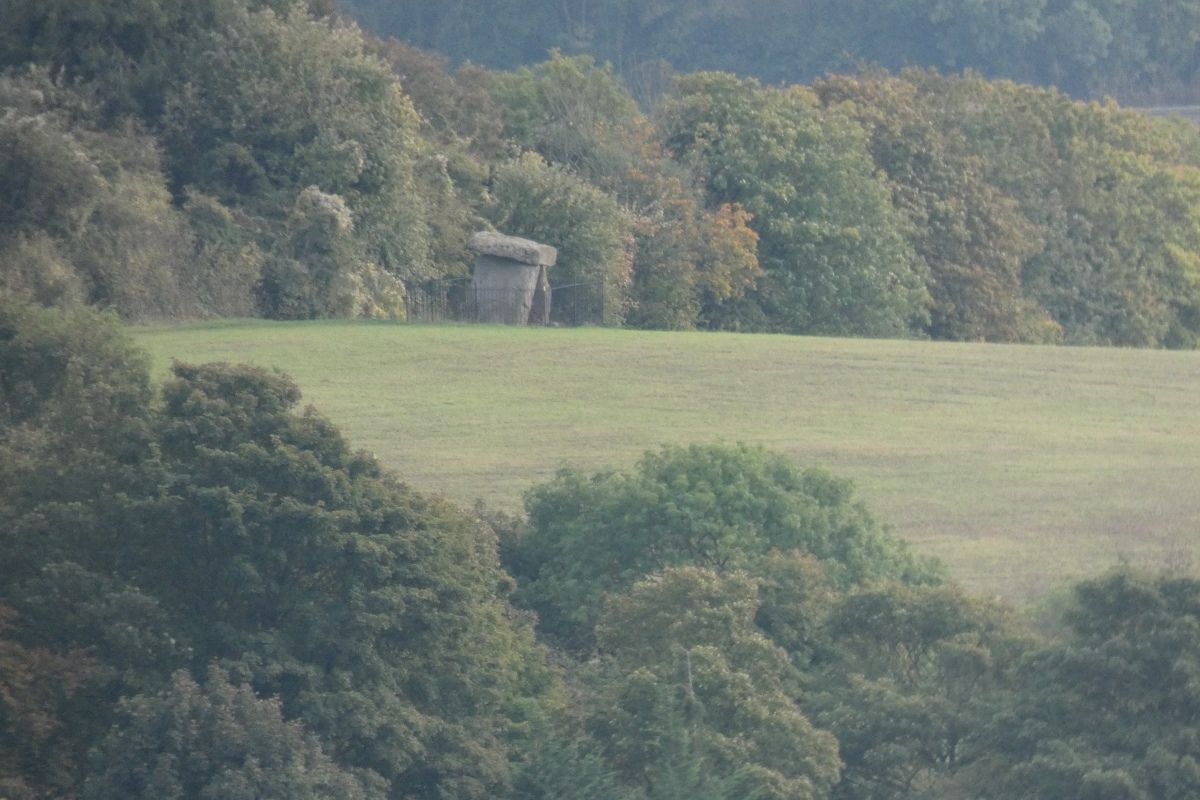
(458, 300)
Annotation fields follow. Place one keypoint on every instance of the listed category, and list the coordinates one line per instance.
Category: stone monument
(510, 284)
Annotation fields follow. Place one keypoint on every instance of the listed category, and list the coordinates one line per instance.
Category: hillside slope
(1019, 466)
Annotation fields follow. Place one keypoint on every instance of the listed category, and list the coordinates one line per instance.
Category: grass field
(1018, 466)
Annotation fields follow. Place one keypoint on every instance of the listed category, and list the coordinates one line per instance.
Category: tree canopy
(207, 593)
(221, 527)
(719, 507)
(257, 158)
(830, 243)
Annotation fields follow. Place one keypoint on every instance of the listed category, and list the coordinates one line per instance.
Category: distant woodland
(231, 158)
(1138, 51)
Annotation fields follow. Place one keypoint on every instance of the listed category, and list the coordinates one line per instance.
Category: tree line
(1140, 51)
(206, 594)
(225, 158)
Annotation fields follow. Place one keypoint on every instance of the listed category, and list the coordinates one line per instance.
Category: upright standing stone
(510, 283)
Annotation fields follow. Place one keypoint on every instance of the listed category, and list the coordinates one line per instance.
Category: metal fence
(440, 301)
(571, 305)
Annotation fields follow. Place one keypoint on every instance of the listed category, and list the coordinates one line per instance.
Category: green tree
(500, 36)
(685, 259)
(50, 188)
(716, 506)
(229, 261)
(221, 526)
(129, 49)
(74, 402)
(270, 105)
(457, 107)
(136, 253)
(1089, 48)
(910, 682)
(688, 260)
(962, 34)
(375, 614)
(316, 269)
(560, 761)
(219, 740)
(74, 428)
(86, 214)
(830, 242)
(570, 111)
(35, 684)
(1110, 710)
(688, 634)
(972, 238)
(1108, 192)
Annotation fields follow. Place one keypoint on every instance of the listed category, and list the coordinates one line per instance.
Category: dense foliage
(207, 594)
(716, 507)
(830, 243)
(225, 158)
(222, 528)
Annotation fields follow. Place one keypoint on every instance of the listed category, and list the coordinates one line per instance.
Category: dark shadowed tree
(218, 740)
(1111, 710)
(223, 526)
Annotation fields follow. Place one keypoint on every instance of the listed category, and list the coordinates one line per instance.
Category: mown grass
(1019, 466)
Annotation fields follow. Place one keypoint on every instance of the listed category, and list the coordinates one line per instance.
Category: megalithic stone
(510, 274)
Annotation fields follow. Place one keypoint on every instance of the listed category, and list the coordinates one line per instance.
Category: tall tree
(129, 48)
(549, 203)
(86, 214)
(223, 527)
(219, 740)
(715, 506)
(1110, 711)
(35, 685)
(1108, 191)
(269, 105)
(687, 637)
(972, 238)
(685, 259)
(910, 682)
(830, 243)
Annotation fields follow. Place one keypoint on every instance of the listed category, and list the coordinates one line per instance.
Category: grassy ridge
(1018, 466)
